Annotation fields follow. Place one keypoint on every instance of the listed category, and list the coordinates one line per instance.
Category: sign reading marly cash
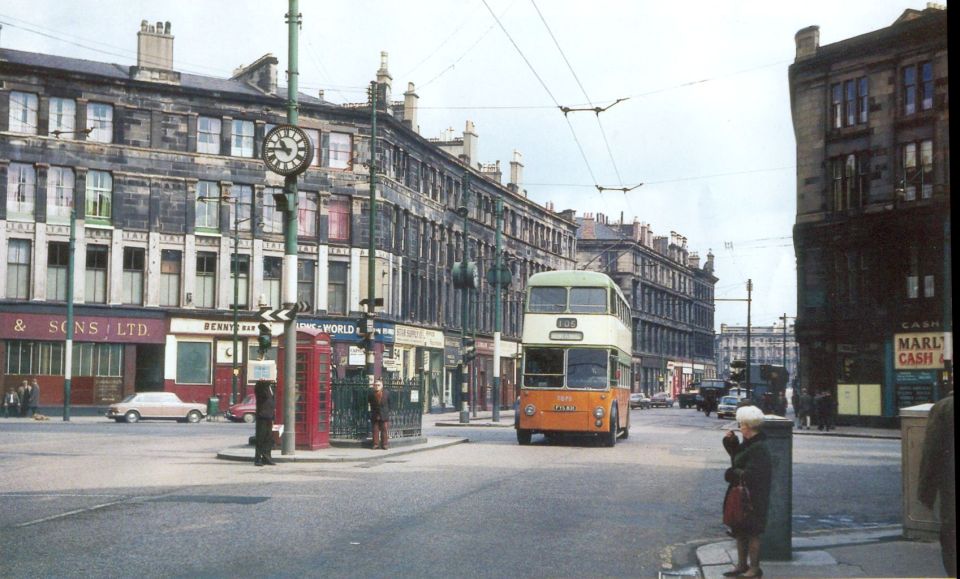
(918, 351)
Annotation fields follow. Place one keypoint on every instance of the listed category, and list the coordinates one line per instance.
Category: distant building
(768, 345)
(670, 294)
(871, 119)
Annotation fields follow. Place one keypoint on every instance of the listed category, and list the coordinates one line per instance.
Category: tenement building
(173, 205)
(871, 118)
(671, 299)
(768, 345)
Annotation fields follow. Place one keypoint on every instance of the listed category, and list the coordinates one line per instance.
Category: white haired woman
(750, 463)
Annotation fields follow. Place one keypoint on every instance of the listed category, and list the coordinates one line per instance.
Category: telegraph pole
(68, 362)
(749, 301)
(288, 441)
(459, 279)
(372, 247)
(497, 310)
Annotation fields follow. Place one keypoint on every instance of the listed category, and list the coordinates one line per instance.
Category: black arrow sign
(281, 315)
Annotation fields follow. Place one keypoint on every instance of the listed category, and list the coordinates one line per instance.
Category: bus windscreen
(548, 299)
(588, 300)
(543, 368)
(587, 369)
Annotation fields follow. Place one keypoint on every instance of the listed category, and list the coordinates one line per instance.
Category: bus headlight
(598, 412)
(529, 410)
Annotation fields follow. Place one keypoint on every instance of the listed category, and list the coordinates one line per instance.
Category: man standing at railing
(379, 402)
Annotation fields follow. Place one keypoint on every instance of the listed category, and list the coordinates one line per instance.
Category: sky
(705, 126)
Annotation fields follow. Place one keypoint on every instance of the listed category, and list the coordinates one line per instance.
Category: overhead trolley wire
(545, 88)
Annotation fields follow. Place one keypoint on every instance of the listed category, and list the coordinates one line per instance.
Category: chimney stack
(516, 171)
(155, 54)
(410, 100)
(470, 138)
(385, 81)
(808, 42)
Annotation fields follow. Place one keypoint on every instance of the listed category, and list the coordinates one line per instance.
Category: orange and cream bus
(576, 357)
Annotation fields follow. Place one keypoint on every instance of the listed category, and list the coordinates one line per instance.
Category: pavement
(878, 552)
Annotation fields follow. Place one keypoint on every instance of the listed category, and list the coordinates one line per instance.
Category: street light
(235, 267)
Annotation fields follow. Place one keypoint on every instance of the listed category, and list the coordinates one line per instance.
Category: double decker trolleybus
(576, 358)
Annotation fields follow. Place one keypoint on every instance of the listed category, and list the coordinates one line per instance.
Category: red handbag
(737, 506)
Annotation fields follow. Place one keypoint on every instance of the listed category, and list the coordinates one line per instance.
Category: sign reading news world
(346, 330)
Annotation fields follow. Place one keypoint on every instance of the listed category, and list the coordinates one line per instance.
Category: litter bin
(213, 406)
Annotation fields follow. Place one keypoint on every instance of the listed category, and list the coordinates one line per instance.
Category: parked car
(728, 406)
(244, 411)
(639, 400)
(151, 405)
(661, 399)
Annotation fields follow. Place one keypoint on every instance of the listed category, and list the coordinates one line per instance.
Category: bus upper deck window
(588, 300)
(548, 299)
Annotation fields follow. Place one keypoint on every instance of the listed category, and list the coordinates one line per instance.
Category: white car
(159, 405)
(728, 406)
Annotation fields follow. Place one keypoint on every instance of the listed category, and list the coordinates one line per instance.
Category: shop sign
(485, 347)
(391, 364)
(413, 336)
(85, 328)
(451, 350)
(220, 327)
(346, 330)
(918, 351)
(357, 357)
(917, 377)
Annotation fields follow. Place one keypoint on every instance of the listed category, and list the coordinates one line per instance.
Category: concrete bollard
(775, 543)
(919, 522)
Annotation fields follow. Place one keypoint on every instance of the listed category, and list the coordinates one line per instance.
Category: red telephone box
(312, 424)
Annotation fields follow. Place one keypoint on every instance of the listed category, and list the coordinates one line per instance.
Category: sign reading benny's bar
(15, 326)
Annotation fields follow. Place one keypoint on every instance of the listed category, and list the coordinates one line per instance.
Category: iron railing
(351, 415)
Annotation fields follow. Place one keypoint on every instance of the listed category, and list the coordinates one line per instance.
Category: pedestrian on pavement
(782, 405)
(379, 402)
(266, 409)
(795, 402)
(34, 397)
(823, 403)
(11, 404)
(806, 409)
(751, 465)
(938, 476)
(23, 392)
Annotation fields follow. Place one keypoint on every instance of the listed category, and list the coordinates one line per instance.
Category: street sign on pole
(281, 315)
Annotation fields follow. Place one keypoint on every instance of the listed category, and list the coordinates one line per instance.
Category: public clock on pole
(287, 150)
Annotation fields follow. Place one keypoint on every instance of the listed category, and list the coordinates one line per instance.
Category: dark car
(245, 411)
(661, 399)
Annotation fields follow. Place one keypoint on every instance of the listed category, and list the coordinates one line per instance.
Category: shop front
(200, 358)
(420, 353)
(349, 357)
(113, 355)
(452, 356)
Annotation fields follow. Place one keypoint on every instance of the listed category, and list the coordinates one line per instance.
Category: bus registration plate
(564, 408)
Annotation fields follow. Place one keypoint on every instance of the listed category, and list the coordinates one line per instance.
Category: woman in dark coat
(751, 464)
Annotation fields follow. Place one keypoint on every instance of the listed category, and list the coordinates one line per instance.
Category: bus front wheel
(610, 439)
(524, 436)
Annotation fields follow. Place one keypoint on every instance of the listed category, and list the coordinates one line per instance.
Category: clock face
(287, 150)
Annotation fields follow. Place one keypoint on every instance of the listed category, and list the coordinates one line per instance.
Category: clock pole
(288, 440)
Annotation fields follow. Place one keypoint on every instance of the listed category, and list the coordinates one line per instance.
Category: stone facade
(147, 248)
(767, 345)
(871, 119)
(671, 297)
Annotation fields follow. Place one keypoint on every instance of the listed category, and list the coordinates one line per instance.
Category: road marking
(70, 513)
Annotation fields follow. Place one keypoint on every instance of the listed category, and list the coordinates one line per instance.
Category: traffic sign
(281, 315)
(303, 306)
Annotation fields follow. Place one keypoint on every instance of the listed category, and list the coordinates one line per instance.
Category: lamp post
(235, 270)
(749, 300)
(68, 355)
